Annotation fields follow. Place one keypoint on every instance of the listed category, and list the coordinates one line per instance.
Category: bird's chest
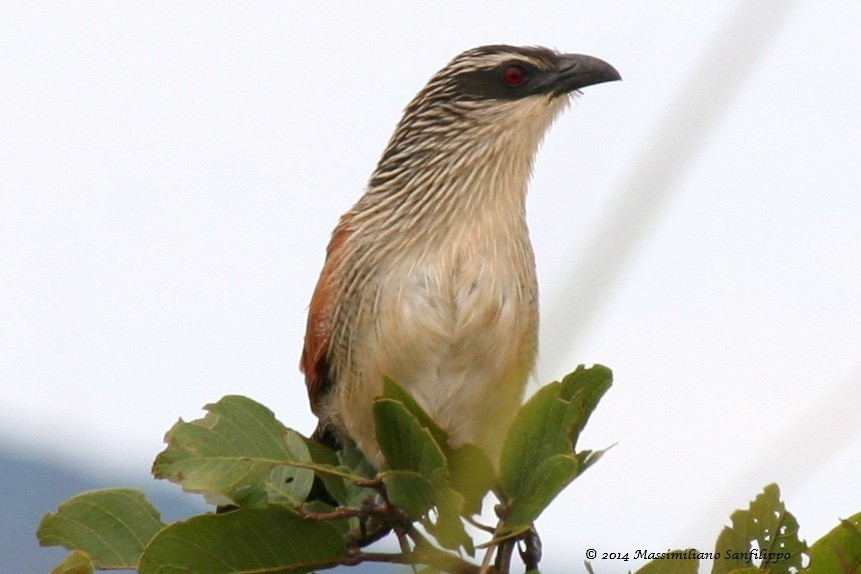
(456, 314)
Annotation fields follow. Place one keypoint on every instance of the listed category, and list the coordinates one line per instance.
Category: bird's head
(489, 106)
(496, 74)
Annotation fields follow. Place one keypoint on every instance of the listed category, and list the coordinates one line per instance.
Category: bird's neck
(452, 165)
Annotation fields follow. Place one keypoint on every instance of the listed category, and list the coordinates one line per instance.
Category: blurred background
(170, 173)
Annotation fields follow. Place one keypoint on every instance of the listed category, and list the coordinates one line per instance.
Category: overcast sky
(170, 173)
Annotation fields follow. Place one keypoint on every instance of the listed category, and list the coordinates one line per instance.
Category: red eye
(513, 75)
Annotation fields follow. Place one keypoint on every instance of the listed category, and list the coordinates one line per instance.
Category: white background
(169, 175)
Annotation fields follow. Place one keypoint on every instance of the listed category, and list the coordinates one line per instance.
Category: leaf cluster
(269, 515)
(265, 481)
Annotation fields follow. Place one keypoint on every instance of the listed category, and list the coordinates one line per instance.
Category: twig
(531, 553)
(374, 484)
(431, 556)
(360, 537)
(385, 517)
(503, 555)
(479, 525)
(338, 513)
(488, 556)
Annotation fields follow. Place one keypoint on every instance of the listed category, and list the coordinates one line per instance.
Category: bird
(430, 279)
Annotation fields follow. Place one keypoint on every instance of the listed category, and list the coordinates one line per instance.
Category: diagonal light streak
(823, 429)
(670, 151)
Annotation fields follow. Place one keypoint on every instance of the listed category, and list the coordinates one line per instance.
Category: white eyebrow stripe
(484, 61)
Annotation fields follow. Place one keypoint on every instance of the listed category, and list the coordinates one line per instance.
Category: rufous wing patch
(314, 362)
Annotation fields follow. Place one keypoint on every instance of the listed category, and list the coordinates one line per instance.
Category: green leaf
(416, 495)
(353, 460)
(288, 485)
(448, 528)
(541, 486)
(470, 470)
(583, 389)
(673, 565)
(549, 423)
(411, 441)
(405, 444)
(112, 526)
(272, 539)
(839, 551)
(409, 491)
(589, 457)
(391, 390)
(537, 433)
(768, 524)
(471, 474)
(323, 456)
(538, 458)
(339, 471)
(77, 562)
(229, 454)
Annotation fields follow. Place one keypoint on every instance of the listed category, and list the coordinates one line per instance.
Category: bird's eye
(513, 75)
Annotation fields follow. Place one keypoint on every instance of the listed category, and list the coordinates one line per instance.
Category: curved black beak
(575, 71)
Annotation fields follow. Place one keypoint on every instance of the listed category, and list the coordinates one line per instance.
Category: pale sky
(169, 176)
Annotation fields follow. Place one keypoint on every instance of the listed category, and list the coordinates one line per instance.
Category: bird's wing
(315, 360)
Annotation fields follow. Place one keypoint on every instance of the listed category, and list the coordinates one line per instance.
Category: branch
(339, 512)
(429, 556)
